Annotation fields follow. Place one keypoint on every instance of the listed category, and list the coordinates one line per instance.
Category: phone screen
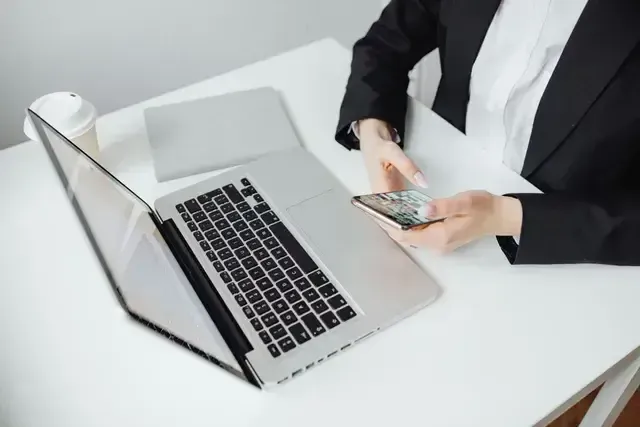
(399, 206)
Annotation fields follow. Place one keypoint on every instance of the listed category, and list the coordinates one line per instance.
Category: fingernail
(427, 211)
(420, 179)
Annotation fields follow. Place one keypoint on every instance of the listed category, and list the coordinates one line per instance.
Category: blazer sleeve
(560, 228)
(377, 86)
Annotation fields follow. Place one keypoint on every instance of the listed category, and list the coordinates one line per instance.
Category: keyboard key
(228, 233)
(256, 325)
(336, 302)
(272, 294)
(227, 208)
(294, 273)
(214, 193)
(242, 252)
(273, 349)
(209, 207)
(284, 286)
(319, 306)
(278, 331)
(268, 264)
(328, 291)
(225, 277)
(234, 216)
(248, 191)
(212, 257)
(250, 215)
(233, 194)
(198, 236)
(199, 216)
(271, 243)
(221, 224)
(205, 225)
(261, 307)
(302, 284)
(346, 313)
(220, 199)
(204, 198)
(299, 333)
(243, 207)
(254, 296)
(205, 246)
(256, 273)
(330, 320)
(269, 218)
(292, 296)
(248, 312)
(288, 318)
(264, 233)
(254, 244)
(269, 319)
(215, 216)
(278, 253)
(276, 274)
(247, 235)
(192, 206)
(280, 306)
(300, 308)
(240, 300)
(258, 198)
(212, 235)
(256, 224)
(262, 208)
(245, 182)
(318, 278)
(264, 336)
(313, 324)
(310, 295)
(286, 263)
(232, 288)
(235, 243)
(225, 254)
(264, 284)
(185, 217)
(180, 208)
(246, 285)
(239, 274)
(218, 244)
(294, 248)
(249, 263)
(286, 344)
(241, 226)
(218, 266)
(261, 254)
(192, 226)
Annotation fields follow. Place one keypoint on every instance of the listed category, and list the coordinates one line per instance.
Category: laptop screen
(134, 255)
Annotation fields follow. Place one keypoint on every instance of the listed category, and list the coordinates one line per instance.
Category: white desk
(504, 346)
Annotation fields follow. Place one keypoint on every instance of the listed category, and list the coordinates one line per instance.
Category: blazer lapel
(604, 36)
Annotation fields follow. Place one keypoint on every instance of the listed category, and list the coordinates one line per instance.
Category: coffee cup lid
(66, 111)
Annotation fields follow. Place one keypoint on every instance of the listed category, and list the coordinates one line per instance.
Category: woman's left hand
(468, 216)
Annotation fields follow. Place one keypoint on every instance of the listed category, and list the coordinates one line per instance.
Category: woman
(550, 87)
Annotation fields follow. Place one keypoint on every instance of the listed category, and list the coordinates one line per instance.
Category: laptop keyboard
(281, 290)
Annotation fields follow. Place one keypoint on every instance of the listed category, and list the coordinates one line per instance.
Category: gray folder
(213, 133)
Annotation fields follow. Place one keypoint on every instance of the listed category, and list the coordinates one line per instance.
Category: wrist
(508, 214)
(374, 129)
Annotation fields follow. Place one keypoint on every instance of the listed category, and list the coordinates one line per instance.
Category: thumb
(394, 155)
(443, 208)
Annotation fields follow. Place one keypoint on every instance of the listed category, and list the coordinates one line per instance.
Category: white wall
(118, 52)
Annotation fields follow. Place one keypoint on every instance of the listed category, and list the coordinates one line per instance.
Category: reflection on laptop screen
(135, 253)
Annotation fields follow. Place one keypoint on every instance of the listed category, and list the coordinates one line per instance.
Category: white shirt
(518, 55)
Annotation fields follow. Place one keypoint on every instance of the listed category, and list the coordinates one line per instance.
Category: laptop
(266, 270)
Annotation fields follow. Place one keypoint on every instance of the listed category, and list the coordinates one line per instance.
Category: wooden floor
(630, 417)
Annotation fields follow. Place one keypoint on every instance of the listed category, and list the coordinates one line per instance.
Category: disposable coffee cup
(72, 116)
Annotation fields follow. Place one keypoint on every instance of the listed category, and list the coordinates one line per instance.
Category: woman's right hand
(387, 164)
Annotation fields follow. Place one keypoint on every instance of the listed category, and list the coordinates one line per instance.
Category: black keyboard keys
(256, 273)
(218, 266)
(271, 243)
(243, 207)
(215, 216)
(300, 308)
(269, 218)
(278, 253)
(273, 349)
(328, 290)
(268, 264)
(214, 193)
(346, 313)
(261, 254)
(220, 199)
(256, 224)
(185, 217)
(205, 246)
(225, 254)
(256, 325)
(285, 263)
(319, 306)
(205, 225)
(288, 318)
(228, 233)
(246, 285)
(272, 294)
(232, 288)
(247, 235)
(225, 277)
(240, 225)
(284, 286)
(287, 344)
(261, 307)
(240, 300)
(180, 208)
(209, 207)
(204, 198)
(227, 208)
(276, 274)
(192, 226)
(249, 263)
(264, 336)
(231, 264)
(262, 208)
(292, 296)
(280, 306)
(212, 257)
(302, 284)
(199, 216)
(221, 224)
(235, 243)
(336, 302)
(318, 278)
(330, 320)
(248, 312)
(299, 333)
(245, 182)
(233, 216)
(258, 198)
(242, 252)
(250, 215)
(294, 248)
(254, 296)
(294, 273)
(254, 244)
(264, 284)
(239, 274)
(313, 324)
(310, 295)
(278, 332)
(212, 235)
(218, 244)
(192, 206)
(233, 193)
(269, 319)
(263, 233)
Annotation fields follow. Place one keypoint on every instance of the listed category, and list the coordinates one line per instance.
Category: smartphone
(398, 209)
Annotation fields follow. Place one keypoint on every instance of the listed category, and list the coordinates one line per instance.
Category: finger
(459, 204)
(396, 157)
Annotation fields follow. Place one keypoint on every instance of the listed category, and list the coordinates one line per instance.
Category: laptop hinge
(210, 298)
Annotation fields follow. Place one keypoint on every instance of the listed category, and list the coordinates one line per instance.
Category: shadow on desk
(630, 417)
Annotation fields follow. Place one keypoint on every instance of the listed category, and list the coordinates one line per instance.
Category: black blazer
(584, 151)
